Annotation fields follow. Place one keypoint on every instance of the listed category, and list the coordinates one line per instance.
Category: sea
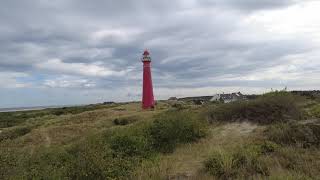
(29, 108)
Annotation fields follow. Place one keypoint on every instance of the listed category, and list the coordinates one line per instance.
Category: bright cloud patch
(94, 70)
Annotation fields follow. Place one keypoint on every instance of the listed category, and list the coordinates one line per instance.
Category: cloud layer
(70, 52)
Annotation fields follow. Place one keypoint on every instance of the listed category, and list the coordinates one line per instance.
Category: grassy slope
(53, 130)
(186, 162)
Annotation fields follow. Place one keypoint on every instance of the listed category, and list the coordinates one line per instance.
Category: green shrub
(301, 135)
(14, 133)
(130, 145)
(175, 127)
(268, 147)
(266, 109)
(125, 120)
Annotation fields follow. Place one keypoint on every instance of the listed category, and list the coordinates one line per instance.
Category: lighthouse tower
(147, 91)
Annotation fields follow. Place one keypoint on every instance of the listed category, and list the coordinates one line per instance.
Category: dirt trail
(243, 128)
(47, 139)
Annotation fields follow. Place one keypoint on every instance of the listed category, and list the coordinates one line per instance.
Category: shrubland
(266, 109)
(111, 154)
(275, 136)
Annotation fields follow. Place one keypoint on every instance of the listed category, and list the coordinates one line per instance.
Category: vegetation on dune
(112, 154)
(266, 109)
(171, 142)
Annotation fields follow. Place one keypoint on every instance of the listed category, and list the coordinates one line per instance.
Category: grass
(124, 142)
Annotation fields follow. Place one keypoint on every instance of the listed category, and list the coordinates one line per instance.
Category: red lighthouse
(147, 91)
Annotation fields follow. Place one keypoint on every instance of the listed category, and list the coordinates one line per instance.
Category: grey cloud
(192, 44)
(251, 5)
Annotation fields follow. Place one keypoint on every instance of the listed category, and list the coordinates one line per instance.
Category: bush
(300, 135)
(175, 127)
(130, 145)
(125, 120)
(269, 108)
(14, 133)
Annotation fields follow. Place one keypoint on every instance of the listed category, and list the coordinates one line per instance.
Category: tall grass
(295, 134)
(243, 162)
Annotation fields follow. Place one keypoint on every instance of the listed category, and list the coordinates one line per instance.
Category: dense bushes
(266, 109)
(130, 145)
(173, 128)
(163, 135)
(14, 133)
(300, 135)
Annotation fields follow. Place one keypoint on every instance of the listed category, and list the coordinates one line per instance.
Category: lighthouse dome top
(146, 53)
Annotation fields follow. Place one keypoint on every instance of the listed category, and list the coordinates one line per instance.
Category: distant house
(227, 98)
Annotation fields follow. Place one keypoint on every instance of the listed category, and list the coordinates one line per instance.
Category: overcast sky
(78, 51)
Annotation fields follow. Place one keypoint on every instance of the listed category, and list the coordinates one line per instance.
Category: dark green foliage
(175, 127)
(301, 135)
(125, 120)
(9, 119)
(268, 147)
(266, 109)
(14, 133)
(130, 145)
